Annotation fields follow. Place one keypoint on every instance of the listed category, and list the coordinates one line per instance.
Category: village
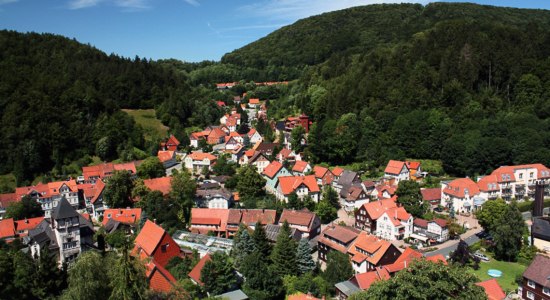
(331, 208)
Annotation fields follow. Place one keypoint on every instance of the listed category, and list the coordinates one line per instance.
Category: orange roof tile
(492, 289)
(397, 214)
(272, 169)
(337, 171)
(195, 273)
(162, 184)
(413, 165)
(458, 188)
(165, 156)
(149, 237)
(365, 280)
(298, 217)
(254, 101)
(320, 171)
(28, 224)
(210, 216)
(300, 166)
(394, 167)
(375, 209)
(301, 296)
(159, 278)
(370, 244)
(127, 216)
(431, 194)
(7, 228)
(202, 156)
(289, 184)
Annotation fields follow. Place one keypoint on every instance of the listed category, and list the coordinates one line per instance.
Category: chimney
(539, 199)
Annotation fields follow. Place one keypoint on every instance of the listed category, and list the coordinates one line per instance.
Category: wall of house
(542, 245)
(166, 249)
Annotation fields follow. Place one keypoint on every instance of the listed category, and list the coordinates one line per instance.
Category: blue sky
(190, 30)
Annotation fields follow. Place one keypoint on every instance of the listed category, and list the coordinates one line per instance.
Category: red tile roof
(365, 280)
(28, 224)
(420, 223)
(413, 165)
(289, 184)
(272, 169)
(159, 278)
(301, 296)
(492, 289)
(375, 209)
(7, 199)
(458, 187)
(165, 156)
(7, 228)
(210, 216)
(431, 194)
(251, 216)
(297, 217)
(195, 273)
(162, 184)
(370, 244)
(254, 101)
(337, 171)
(300, 166)
(126, 216)
(320, 171)
(202, 156)
(394, 167)
(340, 233)
(149, 237)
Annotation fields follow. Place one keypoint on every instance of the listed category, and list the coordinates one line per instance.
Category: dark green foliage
(162, 209)
(151, 167)
(261, 282)
(117, 239)
(462, 255)
(183, 192)
(508, 233)
(294, 202)
(326, 212)
(26, 208)
(408, 195)
(87, 278)
(331, 196)
(284, 253)
(261, 243)
(127, 277)
(218, 275)
(118, 190)
(307, 283)
(426, 280)
(490, 213)
(304, 261)
(296, 137)
(338, 268)
(224, 167)
(249, 183)
(243, 245)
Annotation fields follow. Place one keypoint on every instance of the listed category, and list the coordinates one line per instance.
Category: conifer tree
(242, 245)
(261, 243)
(304, 261)
(284, 253)
(218, 275)
(128, 278)
(48, 279)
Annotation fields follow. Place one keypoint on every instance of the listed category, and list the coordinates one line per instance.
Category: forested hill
(462, 83)
(359, 29)
(60, 100)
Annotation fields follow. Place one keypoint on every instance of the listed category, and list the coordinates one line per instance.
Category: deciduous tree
(151, 167)
(118, 190)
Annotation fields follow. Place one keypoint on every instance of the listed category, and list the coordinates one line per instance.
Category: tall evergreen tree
(48, 279)
(261, 282)
(338, 268)
(304, 260)
(128, 280)
(408, 194)
(284, 253)
(218, 275)
(7, 270)
(261, 243)
(243, 245)
(508, 233)
(331, 196)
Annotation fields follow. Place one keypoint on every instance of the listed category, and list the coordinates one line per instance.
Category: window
(530, 295)
(531, 283)
(520, 175)
(531, 175)
(546, 291)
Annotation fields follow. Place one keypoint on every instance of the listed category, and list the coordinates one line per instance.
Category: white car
(481, 256)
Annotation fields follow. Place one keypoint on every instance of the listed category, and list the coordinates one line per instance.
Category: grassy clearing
(7, 183)
(149, 122)
(509, 272)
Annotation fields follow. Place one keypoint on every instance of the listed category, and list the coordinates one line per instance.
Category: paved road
(445, 251)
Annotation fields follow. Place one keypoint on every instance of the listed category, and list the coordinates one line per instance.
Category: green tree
(151, 167)
(297, 135)
(283, 255)
(426, 280)
(243, 245)
(462, 255)
(508, 233)
(294, 202)
(408, 195)
(48, 279)
(261, 243)
(490, 213)
(127, 277)
(118, 190)
(326, 212)
(183, 189)
(23, 275)
(338, 268)
(260, 280)
(162, 209)
(224, 166)
(249, 183)
(331, 196)
(304, 260)
(26, 208)
(87, 278)
(218, 275)
(180, 267)
(306, 283)
(7, 270)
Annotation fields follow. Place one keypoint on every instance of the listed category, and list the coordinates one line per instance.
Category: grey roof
(541, 228)
(347, 287)
(207, 194)
(280, 125)
(234, 295)
(209, 186)
(42, 234)
(347, 178)
(64, 210)
(272, 232)
(539, 270)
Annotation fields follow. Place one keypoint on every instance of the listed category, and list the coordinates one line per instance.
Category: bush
(528, 205)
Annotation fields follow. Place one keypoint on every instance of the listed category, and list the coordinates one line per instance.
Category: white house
(394, 224)
(459, 195)
(301, 185)
(196, 161)
(397, 170)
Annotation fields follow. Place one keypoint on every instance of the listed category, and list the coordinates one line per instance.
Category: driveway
(449, 246)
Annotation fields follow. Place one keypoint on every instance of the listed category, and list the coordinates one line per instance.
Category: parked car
(482, 234)
(481, 256)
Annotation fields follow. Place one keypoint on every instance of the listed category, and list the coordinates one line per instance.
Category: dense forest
(462, 83)
(60, 101)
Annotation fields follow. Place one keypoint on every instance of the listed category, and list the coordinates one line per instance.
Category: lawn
(509, 272)
(149, 122)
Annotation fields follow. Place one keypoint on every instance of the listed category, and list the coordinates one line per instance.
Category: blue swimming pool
(494, 273)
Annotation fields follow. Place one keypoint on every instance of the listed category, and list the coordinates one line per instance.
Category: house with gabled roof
(367, 215)
(205, 220)
(345, 181)
(519, 181)
(7, 229)
(195, 273)
(253, 102)
(301, 185)
(323, 175)
(159, 278)
(536, 279)
(397, 170)
(260, 161)
(368, 252)
(360, 282)
(171, 144)
(354, 197)
(196, 161)
(93, 197)
(161, 184)
(155, 243)
(415, 169)
(167, 158)
(432, 196)
(308, 223)
(249, 217)
(430, 232)
(272, 173)
(49, 194)
(301, 168)
(335, 238)
(126, 219)
(394, 224)
(459, 195)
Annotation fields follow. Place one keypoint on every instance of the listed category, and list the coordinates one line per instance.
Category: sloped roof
(488, 183)
(210, 216)
(300, 166)
(394, 167)
(272, 169)
(201, 156)
(340, 233)
(458, 188)
(370, 244)
(431, 194)
(492, 289)
(251, 216)
(365, 280)
(289, 184)
(337, 171)
(159, 278)
(413, 165)
(375, 209)
(64, 210)
(297, 217)
(397, 214)
(172, 140)
(161, 184)
(126, 216)
(195, 273)
(301, 296)
(28, 224)
(539, 270)
(7, 228)
(320, 171)
(165, 156)
(7, 199)
(149, 237)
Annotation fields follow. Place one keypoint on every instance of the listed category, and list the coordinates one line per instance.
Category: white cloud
(2, 2)
(292, 10)
(192, 2)
(132, 4)
(127, 5)
(78, 4)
